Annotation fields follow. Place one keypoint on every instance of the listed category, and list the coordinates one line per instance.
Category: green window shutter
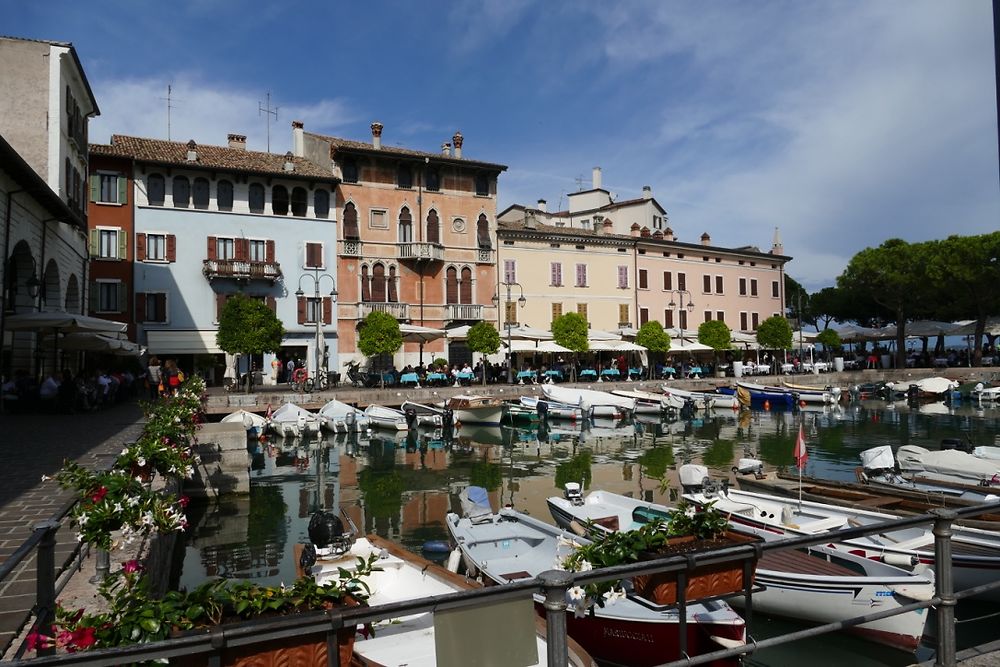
(122, 190)
(122, 245)
(95, 239)
(121, 298)
(95, 187)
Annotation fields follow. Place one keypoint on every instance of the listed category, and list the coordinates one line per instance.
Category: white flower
(133, 501)
(125, 452)
(45, 478)
(557, 564)
(118, 507)
(142, 461)
(82, 519)
(580, 609)
(614, 596)
(577, 593)
(147, 519)
(690, 511)
(585, 566)
(79, 537)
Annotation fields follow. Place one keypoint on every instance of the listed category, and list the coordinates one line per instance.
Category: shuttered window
(483, 232)
(366, 285)
(556, 311)
(321, 203)
(743, 286)
(555, 270)
(754, 320)
(753, 287)
(391, 283)
(581, 275)
(743, 322)
(510, 271)
(720, 315)
(378, 283)
(300, 202)
(314, 256)
(404, 176)
(200, 193)
(581, 309)
(151, 307)
(708, 316)
(255, 198)
(668, 282)
(623, 311)
(224, 195)
(707, 284)
(433, 227)
(351, 222)
(622, 277)
(774, 289)
(668, 319)
(510, 308)
(719, 285)
(682, 281)
(279, 200)
(683, 316)
(643, 316)
(465, 287)
(643, 279)
(451, 285)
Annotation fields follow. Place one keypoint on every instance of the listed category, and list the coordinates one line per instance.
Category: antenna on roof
(169, 98)
(579, 182)
(270, 112)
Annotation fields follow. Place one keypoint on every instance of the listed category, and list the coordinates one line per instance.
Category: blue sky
(842, 123)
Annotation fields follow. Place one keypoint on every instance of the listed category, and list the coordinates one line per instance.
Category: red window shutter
(272, 304)
(140, 247)
(242, 249)
(302, 310)
(140, 307)
(327, 310)
(211, 247)
(269, 245)
(220, 303)
(171, 248)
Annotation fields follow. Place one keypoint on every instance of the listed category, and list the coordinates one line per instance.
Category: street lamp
(317, 278)
(681, 293)
(521, 300)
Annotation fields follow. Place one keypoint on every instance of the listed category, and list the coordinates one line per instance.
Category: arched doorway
(72, 295)
(51, 291)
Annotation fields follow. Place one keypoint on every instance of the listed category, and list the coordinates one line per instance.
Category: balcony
(351, 248)
(485, 256)
(425, 252)
(239, 269)
(463, 311)
(401, 311)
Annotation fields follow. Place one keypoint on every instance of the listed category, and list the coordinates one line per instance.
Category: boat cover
(914, 459)
(878, 458)
(476, 503)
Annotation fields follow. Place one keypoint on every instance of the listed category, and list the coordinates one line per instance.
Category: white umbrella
(601, 345)
(414, 334)
(546, 346)
(458, 333)
(525, 333)
(677, 345)
(628, 346)
(551, 346)
(61, 321)
(87, 342)
(595, 334)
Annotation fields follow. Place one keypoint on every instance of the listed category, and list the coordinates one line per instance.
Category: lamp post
(317, 278)
(681, 293)
(496, 301)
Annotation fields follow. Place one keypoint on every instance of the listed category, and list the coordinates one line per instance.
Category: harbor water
(401, 485)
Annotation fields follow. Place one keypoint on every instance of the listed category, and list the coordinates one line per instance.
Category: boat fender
(578, 528)
(900, 560)
(436, 546)
(454, 558)
(991, 498)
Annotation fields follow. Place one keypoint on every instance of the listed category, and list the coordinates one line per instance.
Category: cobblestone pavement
(36, 445)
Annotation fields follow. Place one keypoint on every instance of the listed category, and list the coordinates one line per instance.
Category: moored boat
(704, 399)
(878, 469)
(388, 418)
(650, 404)
(293, 421)
(776, 399)
(252, 422)
(948, 465)
(426, 415)
(587, 399)
(511, 546)
(552, 409)
(817, 584)
(835, 392)
(339, 417)
(804, 395)
(469, 409)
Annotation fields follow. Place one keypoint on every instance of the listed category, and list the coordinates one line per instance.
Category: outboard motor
(572, 493)
(326, 532)
(688, 409)
(308, 557)
(913, 393)
(693, 477)
(542, 408)
(448, 418)
(411, 417)
(749, 466)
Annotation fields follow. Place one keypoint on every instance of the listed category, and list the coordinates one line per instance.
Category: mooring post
(945, 587)
(45, 577)
(555, 583)
(102, 566)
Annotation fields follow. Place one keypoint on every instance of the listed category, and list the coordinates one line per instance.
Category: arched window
(451, 285)
(405, 225)
(182, 192)
(200, 193)
(465, 287)
(155, 189)
(393, 295)
(256, 197)
(404, 176)
(378, 283)
(321, 203)
(351, 222)
(279, 200)
(224, 195)
(433, 228)
(483, 232)
(349, 171)
(72, 295)
(300, 202)
(482, 185)
(366, 284)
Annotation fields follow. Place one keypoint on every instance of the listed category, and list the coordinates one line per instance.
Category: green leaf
(150, 625)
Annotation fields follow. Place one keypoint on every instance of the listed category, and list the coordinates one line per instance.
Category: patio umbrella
(458, 333)
(595, 334)
(414, 334)
(521, 332)
(61, 322)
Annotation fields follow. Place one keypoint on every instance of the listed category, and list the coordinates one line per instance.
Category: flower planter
(704, 581)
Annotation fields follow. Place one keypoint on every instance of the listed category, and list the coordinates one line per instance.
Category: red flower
(83, 638)
(99, 495)
(37, 640)
(131, 566)
(183, 501)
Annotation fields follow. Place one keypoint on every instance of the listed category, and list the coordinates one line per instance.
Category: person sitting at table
(466, 368)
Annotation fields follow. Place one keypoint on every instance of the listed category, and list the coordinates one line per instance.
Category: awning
(61, 321)
(530, 346)
(677, 345)
(525, 333)
(182, 342)
(629, 346)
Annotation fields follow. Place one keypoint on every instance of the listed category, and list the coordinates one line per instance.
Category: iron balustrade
(554, 585)
(241, 269)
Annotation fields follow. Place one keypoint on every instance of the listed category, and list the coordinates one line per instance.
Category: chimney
(644, 233)
(446, 149)
(647, 192)
(457, 139)
(668, 234)
(706, 239)
(777, 248)
(608, 226)
(635, 229)
(542, 205)
(377, 135)
(192, 155)
(596, 178)
(289, 163)
(530, 222)
(298, 138)
(238, 142)
(658, 235)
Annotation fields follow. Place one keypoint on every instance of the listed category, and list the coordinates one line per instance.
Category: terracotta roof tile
(351, 145)
(209, 157)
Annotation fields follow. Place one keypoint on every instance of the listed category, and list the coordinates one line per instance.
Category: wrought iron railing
(241, 269)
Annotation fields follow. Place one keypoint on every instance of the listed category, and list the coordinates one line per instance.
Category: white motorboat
(975, 553)
(411, 639)
(803, 395)
(468, 409)
(339, 417)
(553, 409)
(925, 387)
(948, 465)
(292, 421)
(512, 547)
(703, 399)
(818, 584)
(986, 394)
(835, 392)
(587, 399)
(389, 418)
(252, 422)
(648, 403)
(426, 415)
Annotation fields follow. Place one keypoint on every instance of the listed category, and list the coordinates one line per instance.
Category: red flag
(801, 455)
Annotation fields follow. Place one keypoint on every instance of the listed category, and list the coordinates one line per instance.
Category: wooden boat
(293, 421)
(389, 418)
(339, 417)
(520, 412)
(410, 640)
(650, 404)
(586, 399)
(252, 422)
(469, 409)
(704, 399)
(820, 396)
(818, 584)
(975, 553)
(511, 546)
(426, 415)
(835, 392)
(948, 465)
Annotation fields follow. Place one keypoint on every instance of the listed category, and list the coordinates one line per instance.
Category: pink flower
(183, 501)
(37, 640)
(83, 638)
(99, 494)
(131, 566)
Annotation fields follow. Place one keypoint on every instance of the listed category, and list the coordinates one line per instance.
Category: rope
(977, 618)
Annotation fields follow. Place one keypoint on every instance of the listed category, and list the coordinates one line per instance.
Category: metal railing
(401, 311)
(241, 269)
(421, 251)
(553, 585)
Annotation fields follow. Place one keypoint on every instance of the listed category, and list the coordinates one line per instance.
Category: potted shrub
(687, 530)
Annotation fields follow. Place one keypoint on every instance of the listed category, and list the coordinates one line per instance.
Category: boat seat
(823, 525)
(609, 522)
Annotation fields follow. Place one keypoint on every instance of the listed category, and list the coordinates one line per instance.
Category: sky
(841, 123)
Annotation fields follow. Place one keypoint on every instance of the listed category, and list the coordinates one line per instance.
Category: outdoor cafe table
(635, 372)
(588, 373)
(409, 378)
(527, 375)
(668, 371)
(554, 374)
(695, 370)
(787, 368)
(610, 373)
(438, 378)
(465, 378)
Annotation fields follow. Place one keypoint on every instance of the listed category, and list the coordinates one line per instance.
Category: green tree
(248, 326)
(485, 339)
(652, 337)
(797, 297)
(379, 335)
(830, 304)
(830, 340)
(715, 334)
(570, 331)
(775, 333)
